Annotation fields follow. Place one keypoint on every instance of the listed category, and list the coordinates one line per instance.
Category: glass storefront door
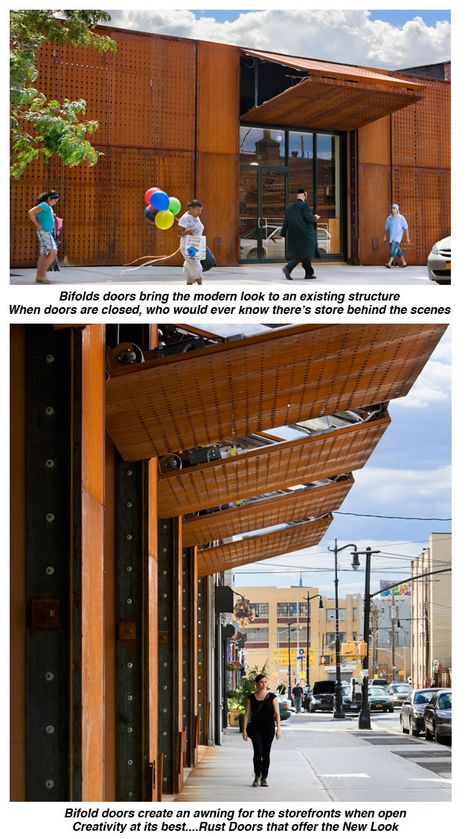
(262, 208)
(274, 164)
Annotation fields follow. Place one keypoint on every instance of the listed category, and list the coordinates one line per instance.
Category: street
(322, 759)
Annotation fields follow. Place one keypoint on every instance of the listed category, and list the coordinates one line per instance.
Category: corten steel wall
(421, 150)
(168, 110)
(406, 158)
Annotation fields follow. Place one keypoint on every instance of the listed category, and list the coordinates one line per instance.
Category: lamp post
(308, 599)
(338, 710)
(364, 715)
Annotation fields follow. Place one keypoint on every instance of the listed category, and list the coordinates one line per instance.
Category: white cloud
(350, 36)
(415, 492)
(434, 383)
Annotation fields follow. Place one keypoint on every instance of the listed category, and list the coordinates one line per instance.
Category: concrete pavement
(327, 274)
(321, 759)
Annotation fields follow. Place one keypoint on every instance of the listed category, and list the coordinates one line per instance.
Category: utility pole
(339, 709)
(393, 616)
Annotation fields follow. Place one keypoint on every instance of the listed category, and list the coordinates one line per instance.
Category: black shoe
(310, 276)
(286, 273)
(264, 783)
(256, 781)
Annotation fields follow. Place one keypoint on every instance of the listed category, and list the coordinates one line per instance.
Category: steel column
(190, 653)
(171, 736)
(131, 573)
(48, 548)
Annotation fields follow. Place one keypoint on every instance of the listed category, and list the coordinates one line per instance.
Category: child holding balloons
(191, 225)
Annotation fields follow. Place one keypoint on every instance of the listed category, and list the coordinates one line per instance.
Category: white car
(273, 245)
(439, 262)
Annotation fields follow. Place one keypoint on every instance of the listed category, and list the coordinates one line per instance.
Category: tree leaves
(40, 126)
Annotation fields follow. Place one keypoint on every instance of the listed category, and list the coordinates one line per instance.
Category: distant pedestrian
(395, 227)
(297, 694)
(42, 217)
(263, 711)
(191, 225)
(299, 229)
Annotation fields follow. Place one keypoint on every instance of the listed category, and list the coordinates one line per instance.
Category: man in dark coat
(299, 229)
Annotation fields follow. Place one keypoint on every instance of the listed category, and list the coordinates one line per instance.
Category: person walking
(191, 225)
(299, 229)
(297, 694)
(42, 217)
(395, 226)
(262, 710)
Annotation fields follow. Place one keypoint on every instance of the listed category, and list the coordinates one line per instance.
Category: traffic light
(349, 648)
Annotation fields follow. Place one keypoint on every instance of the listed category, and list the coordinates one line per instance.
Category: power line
(400, 518)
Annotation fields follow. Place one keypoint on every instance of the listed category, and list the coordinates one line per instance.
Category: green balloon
(175, 206)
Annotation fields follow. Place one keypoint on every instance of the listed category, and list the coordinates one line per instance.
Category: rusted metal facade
(115, 663)
(168, 110)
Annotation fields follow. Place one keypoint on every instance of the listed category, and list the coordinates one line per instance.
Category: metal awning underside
(256, 548)
(267, 469)
(262, 382)
(293, 506)
(333, 96)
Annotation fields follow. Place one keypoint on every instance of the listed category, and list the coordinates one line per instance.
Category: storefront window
(328, 192)
(275, 163)
(262, 146)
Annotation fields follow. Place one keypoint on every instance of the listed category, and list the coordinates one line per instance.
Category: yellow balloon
(164, 219)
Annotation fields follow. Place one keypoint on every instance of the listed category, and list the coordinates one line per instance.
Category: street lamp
(339, 710)
(364, 716)
(308, 599)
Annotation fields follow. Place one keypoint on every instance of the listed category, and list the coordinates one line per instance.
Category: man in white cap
(395, 226)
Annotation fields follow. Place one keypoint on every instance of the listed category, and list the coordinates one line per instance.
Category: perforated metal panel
(421, 183)
(256, 548)
(268, 380)
(287, 508)
(267, 469)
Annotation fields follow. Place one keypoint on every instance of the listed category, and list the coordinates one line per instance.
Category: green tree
(42, 126)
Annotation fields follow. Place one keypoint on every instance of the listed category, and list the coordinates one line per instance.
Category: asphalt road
(322, 759)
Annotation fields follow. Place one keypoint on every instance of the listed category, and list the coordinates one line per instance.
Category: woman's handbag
(209, 261)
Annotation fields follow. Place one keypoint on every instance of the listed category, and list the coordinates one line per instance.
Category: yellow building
(279, 636)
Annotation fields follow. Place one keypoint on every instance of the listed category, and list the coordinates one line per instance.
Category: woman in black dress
(262, 709)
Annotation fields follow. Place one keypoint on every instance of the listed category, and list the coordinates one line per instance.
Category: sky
(407, 475)
(386, 39)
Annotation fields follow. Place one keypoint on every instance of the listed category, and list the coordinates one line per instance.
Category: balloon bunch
(160, 208)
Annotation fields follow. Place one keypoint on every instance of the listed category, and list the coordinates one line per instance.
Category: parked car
(413, 709)
(437, 716)
(379, 700)
(383, 683)
(398, 691)
(273, 243)
(285, 708)
(323, 696)
(351, 703)
(439, 262)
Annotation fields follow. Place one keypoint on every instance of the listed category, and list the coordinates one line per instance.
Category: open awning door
(268, 512)
(268, 469)
(335, 97)
(262, 382)
(256, 548)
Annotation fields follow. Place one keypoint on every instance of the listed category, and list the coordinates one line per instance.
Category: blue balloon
(160, 201)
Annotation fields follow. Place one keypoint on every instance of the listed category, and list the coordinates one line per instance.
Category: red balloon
(150, 192)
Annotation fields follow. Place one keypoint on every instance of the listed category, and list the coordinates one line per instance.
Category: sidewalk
(327, 274)
(326, 760)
